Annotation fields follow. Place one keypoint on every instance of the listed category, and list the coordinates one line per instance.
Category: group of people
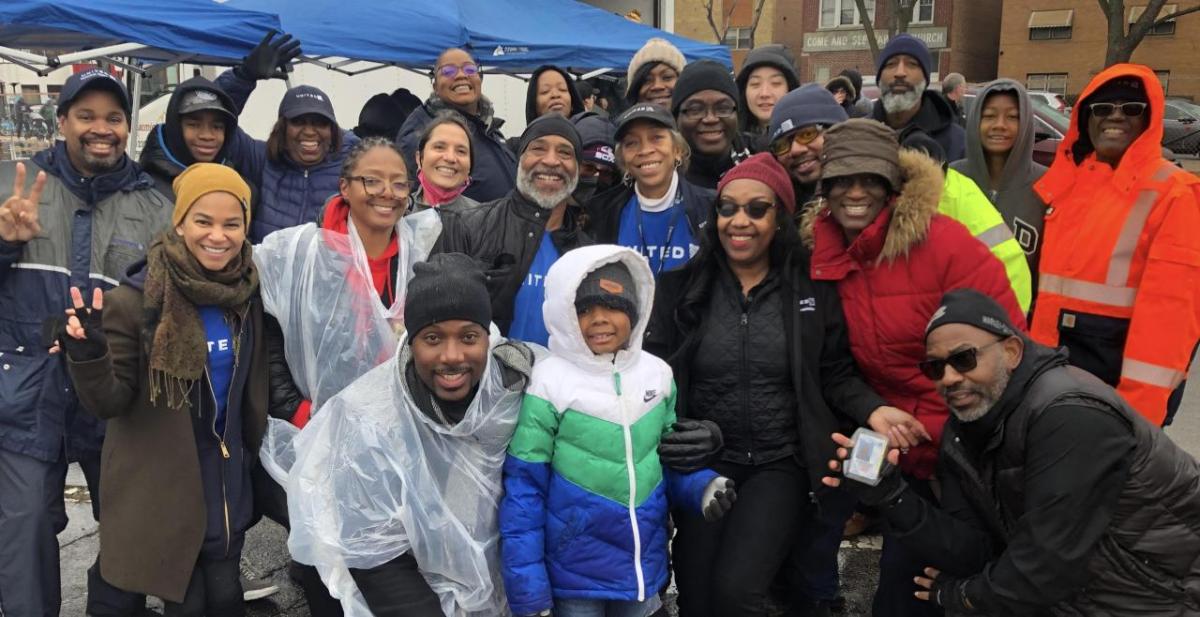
(546, 374)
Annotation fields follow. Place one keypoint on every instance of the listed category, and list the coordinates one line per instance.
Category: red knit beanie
(764, 168)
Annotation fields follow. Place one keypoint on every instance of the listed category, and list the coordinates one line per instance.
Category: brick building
(962, 35)
(1059, 45)
(779, 23)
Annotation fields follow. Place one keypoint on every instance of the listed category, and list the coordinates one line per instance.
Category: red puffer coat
(891, 280)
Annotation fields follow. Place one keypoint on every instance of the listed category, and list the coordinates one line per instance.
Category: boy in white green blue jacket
(583, 521)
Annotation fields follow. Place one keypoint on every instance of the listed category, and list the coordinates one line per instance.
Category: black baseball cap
(303, 100)
(643, 111)
(93, 79)
(202, 100)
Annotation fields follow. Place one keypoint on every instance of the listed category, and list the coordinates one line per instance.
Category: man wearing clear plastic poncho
(394, 492)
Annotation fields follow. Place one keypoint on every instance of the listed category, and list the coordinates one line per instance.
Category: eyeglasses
(755, 209)
(1129, 110)
(870, 183)
(963, 362)
(802, 136)
(375, 187)
(450, 70)
(698, 111)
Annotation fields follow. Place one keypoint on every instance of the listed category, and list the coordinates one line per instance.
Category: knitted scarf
(175, 285)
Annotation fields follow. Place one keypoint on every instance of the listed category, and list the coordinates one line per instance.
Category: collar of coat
(899, 227)
(486, 116)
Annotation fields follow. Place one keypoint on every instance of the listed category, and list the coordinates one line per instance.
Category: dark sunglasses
(1129, 110)
(803, 136)
(962, 362)
(755, 209)
(449, 70)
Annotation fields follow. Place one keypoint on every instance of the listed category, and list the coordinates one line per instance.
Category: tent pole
(16, 54)
(91, 54)
(136, 109)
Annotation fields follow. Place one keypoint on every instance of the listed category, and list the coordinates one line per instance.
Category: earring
(678, 162)
(626, 178)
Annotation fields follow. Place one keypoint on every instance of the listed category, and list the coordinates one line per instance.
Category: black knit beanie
(702, 75)
(448, 286)
(551, 124)
(610, 285)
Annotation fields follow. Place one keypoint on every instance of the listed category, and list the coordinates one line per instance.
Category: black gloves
(690, 445)
(94, 346)
(951, 595)
(269, 58)
(721, 500)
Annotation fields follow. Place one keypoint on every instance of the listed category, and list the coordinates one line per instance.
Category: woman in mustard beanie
(173, 358)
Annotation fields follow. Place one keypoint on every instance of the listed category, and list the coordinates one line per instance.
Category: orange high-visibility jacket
(1119, 281)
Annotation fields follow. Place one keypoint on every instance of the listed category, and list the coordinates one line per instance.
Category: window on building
(738, 38)
(841, 13)
(1050, 25)
(1164, 78)
(1166, 28)
(923, 14)
(1047, 82)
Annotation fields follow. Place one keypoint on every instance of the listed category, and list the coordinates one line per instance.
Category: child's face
(605, 330)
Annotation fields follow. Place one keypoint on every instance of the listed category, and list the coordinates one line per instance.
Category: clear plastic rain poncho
(375, 477)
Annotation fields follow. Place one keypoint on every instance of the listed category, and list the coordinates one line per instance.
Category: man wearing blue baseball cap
(905, 102)
(79, 213)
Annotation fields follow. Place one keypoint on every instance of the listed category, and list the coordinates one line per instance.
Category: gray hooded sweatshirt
(1014, 197)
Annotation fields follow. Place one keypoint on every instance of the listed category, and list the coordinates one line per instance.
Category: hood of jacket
(170, 132)
(1077, 146)
(775, 56)
(934, 116)
(1019, 166)
(562, 283)
(531, 93)
(126, 176)
(899, 226)
(486, 116)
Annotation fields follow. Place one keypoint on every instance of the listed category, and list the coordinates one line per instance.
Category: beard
(894, 103)
(988, 395)
(99, 165)
(545, 200)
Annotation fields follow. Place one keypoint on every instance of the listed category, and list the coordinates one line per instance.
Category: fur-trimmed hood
(908, 215)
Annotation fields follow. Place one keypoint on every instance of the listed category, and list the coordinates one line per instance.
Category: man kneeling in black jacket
(1057, 497)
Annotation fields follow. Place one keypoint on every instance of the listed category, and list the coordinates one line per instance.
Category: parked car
(1181, 127)
(1052, 99)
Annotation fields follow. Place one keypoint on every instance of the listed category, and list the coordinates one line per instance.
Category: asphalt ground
(266, 549)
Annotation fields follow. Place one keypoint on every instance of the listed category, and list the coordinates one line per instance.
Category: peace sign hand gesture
(19, 213)
(84, 339)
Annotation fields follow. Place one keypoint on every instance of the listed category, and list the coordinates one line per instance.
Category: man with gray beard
(518, 237)
(1057, 497)
(905, 102)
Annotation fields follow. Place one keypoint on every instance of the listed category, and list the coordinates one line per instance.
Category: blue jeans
(582, 607)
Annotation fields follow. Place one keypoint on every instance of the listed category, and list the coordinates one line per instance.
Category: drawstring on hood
(562, 285)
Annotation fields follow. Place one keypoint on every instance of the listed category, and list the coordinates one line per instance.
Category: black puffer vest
(1148, 563)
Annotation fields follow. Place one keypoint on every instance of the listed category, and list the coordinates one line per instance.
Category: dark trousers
(813, 573)
(726, 567)
(271, 501)
(397, 589)
(214, 590)
(897, 568)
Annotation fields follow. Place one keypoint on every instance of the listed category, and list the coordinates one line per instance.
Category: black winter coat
(1062, 501)
(828, 393)
(604, 210)
(504, 236)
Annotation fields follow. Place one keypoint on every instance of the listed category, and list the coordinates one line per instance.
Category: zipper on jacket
(744, 327)
(629, 468)
(224, 454)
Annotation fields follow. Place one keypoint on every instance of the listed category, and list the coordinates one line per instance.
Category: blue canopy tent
(513, 36)
(43, 35)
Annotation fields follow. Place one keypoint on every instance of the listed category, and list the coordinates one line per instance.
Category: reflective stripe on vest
(1113, 291)
(992, 238)
(1153, 374)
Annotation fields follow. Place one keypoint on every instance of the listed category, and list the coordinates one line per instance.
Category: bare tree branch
(708, 8)
(869, 27)
(754, 24)
(1166, 18)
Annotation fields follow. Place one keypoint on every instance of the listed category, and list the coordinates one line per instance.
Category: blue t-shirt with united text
(651, 239)
(220, 358)
(528, 324)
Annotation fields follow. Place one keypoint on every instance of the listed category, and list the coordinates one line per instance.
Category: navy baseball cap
(92, 79)
(303, 100)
